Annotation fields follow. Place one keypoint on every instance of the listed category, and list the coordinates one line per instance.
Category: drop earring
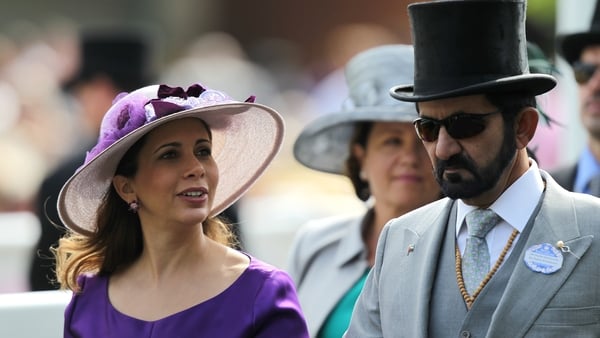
(134, 206)
(362, 175)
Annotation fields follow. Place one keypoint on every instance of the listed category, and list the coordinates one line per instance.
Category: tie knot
(481, 221)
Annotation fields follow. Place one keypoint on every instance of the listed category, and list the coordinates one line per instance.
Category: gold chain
(469, 299)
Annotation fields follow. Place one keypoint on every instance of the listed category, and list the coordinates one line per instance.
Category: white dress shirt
(514, 206)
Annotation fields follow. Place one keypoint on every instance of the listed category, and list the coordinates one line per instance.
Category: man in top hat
(509, 253)
(582, 52)
(111, 62)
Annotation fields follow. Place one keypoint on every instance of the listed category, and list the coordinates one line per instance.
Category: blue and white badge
(544, 258)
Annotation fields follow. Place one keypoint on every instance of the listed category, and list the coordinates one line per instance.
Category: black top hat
(121, 56)
(571, 45)
(470, 47)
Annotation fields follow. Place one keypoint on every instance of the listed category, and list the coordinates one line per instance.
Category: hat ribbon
(173, 99)
(134, 114)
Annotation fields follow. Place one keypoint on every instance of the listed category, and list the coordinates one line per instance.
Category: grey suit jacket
(326, 259)
(394, 301)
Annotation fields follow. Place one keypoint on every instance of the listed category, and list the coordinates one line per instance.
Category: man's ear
(526, 124)
(123, 187)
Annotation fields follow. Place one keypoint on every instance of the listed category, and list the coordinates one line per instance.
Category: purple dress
(262, 302)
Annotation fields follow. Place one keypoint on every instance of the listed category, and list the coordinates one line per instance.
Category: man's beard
(455, 186)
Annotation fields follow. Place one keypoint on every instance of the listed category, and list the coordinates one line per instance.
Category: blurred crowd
(43, 125)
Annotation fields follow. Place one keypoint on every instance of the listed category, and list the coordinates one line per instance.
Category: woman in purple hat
(146, 255)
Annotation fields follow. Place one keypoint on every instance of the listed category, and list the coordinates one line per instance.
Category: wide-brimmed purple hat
(246, 136)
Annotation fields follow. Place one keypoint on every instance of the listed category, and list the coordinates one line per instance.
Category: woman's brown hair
(360, 137)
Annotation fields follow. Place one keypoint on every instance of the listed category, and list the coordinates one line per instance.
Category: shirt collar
(516, 204)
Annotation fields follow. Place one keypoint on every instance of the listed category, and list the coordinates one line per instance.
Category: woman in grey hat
(371, 141)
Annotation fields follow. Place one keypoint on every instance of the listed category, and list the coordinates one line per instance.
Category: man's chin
(459, 188)
(458, 193)
(455, 176)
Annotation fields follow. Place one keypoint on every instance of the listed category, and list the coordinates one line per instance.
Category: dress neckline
(208, 301)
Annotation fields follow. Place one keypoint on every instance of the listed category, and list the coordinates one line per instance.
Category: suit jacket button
(465, 334)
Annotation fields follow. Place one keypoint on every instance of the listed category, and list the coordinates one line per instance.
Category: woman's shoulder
(92, 293)
(274, 300)
(88, 282)
(260, 272)
(261, 268)
(321, 232)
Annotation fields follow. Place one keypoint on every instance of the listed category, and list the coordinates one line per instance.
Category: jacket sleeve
(295, 263)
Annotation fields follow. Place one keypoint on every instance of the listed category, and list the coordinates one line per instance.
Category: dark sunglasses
(583, 71)
(458, 126)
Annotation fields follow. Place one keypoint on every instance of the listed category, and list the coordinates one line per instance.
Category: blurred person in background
(146, 253)
(19, 227)
(371, 141)
(582, 51)
(33, 59)
(19, 174)
(539, 63)
(111, 62)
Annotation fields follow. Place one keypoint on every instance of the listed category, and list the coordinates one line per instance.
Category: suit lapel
(528, 292)
(425, 242)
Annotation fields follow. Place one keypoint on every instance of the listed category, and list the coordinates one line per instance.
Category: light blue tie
(476, 260)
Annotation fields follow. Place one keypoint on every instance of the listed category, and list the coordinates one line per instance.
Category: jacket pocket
(569, 316)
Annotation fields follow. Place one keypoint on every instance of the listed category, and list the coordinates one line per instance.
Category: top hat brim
(533, 84)
(571, 45)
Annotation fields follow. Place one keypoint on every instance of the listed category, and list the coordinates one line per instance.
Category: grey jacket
(326, 259)
(394, 301)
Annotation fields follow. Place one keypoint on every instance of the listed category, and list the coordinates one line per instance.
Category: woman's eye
(204, 152)
(393, 141)
(168, 155)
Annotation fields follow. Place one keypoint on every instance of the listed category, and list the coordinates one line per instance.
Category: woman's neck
(171, 254)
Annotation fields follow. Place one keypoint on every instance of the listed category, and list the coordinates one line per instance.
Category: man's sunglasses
(458, 126)
(583, 71)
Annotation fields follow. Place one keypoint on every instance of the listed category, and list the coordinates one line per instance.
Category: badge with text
(544, 258)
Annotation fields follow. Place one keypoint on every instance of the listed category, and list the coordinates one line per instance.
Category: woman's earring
(362, 175)
(134, 206)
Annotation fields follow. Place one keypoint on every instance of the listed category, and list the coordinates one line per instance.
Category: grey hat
(323, 144)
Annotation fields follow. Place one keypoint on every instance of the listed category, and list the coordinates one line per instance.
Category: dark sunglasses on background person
(458, 126)
(583, 71)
